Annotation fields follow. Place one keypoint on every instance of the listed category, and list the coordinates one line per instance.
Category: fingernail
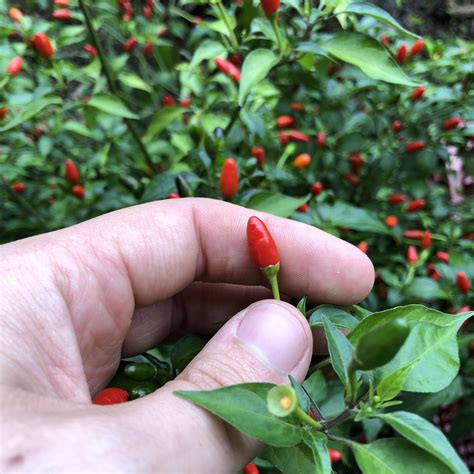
(274, 333)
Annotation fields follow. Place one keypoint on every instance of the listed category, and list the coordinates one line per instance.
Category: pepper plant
(331, 113)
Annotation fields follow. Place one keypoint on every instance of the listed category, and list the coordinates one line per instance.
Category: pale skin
(73, 301)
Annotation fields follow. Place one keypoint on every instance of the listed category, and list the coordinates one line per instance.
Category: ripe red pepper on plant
(270, 6)
(401, 54)
(321, 140)
(62, 14)
(396, 126)
(385, 40)
(462, 282)
(413, 147)
(426, 240)
(15, 65)
(317, 188)
(227, 68)
(285, 121)
(396, 198)
(168, 100)
(3, 112)
(297, 106)
(416, 205)
(413, 234)
(42, 45)
(418, 93)
(296, 136)
(304, 208)
(391, 221)
(147, 12)
(72, 173)
(251, 469)
(130, 44)
(110, 396)
(148, 49)
(451, 123)
(302, 161)
(78, 191)
(412, 255)
(442, 256)
(18, 187)
(173, 196)
(417, 47)
(61, 3)
(363, 247)
(90, 50)
(352, 179)
(334, 455)
(229, 181)
(356, 161)
(259, 153)
(15, 14)
(264, 251)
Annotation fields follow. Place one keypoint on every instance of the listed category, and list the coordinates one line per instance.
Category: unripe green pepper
(380, 345)
(143, 389)
(140, 371)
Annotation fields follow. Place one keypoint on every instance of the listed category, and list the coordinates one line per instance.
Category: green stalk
(275, 289)
(306, 418)
(111, 82)
(225, 18)
(276, 30)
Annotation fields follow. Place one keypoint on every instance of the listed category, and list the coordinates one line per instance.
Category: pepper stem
(306, 418)
(277, 32)
(271, 272)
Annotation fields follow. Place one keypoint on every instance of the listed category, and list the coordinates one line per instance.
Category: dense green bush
(144, 119)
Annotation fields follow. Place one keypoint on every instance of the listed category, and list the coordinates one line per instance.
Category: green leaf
(164, 183)
(161, 120)
(367, 54)
(312, 48)
(79, 128)
(339, 317)
(392, 384)
(316, 386)
(426, 436)
(396, 456)
(208, 49)
(257, 65)
(244, 406)
(309, 457)
(423, 289)
(31, 110)
(430, 350)
(367, 9)
(134, 81)
(340, 349)
(186, 349)
(302, 397)
(109, 104)
(274, 203)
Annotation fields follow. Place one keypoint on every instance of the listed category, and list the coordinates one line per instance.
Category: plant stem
(274, 284)
(233, 119)
(306, 418)
(225, 18)
(276, 30)
(111, 82)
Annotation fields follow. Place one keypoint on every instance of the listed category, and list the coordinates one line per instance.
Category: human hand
(74, 301)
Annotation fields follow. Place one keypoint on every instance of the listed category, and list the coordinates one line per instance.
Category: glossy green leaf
(109, 104)
(340, 349)
(134, 81)
(302, 397)
(274, 203)
(186, 349)
(368, 9)
(317, 442)
(426, 436)
(316, 386)
(257, 65)
(162, 119)
(392, 384)
(339, 317)
(367, 54)
(208, 49)
(396, 456)
(244, 406)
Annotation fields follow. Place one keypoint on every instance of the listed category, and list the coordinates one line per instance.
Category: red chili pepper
(352, 179)
(401, 54)
(42, 45)
(283, 138)
(227, 68)
(15, 14)
(3, 112)
(251, 469)
(15, 65)
(417, 47)
(385, 40)
(285, 121)
(462, 282)
(270, 6)
(61, 3)
(356, 161)
(148, 49)
(110, 396)
(396, 198)
(302, 161)
(442, 256)
(417, 94)
(197, 21)
(413, 234)
(321, 140)
(413, 147)
(396, 126)
(297, 106)
(185, 102)
(235, 59)
(391, 221)
(18, 187)
(334, 455)
(168, 101)
(72, 173)
(262, 247)
(317, 188)
(304, 208)
(173, 196)
(90, 50)
(416, 205)
(78, 191)
(259, 153)
(452, 123)
(62, 14)
(130, 44)
(426, 240)
(296, 136)
(363, 247)
(412, 255)
(229, 178)
(147, 12)
(465, 309)
(433, 273)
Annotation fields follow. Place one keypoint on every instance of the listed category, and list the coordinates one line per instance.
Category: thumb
(263, 343)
